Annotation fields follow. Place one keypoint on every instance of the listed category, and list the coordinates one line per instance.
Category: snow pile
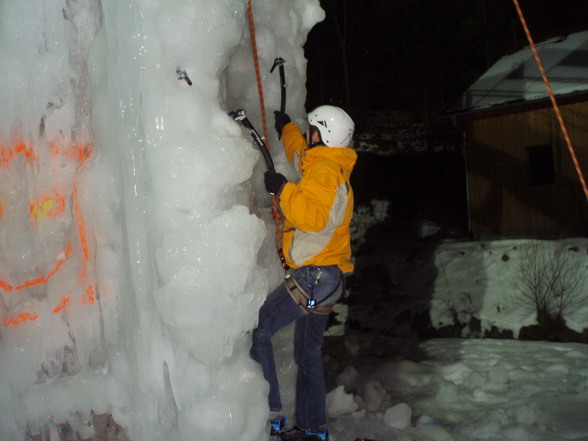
(398, 416)
(428, 287)
(486, 281)
(136, 232)
(464, 390)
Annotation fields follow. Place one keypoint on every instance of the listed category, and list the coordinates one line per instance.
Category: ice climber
(317, 211)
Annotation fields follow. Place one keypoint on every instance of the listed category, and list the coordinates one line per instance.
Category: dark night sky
(420, 54)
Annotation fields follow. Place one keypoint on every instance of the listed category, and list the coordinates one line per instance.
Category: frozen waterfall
(136, 235)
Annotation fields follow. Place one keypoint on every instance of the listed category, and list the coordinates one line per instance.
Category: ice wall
(136, 240)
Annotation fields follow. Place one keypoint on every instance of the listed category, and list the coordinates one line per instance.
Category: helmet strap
(310, 135)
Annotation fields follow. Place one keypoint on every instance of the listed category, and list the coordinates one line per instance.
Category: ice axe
(240, 115)
(280, 62)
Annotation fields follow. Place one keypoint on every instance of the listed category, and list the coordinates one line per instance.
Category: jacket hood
(344, 156)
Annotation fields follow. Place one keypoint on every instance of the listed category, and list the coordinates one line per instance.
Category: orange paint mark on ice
(31, 282)
(5, 286)
(90, 296)
(62, 304)
(79, 152)
(50, 205)
(41, 279)
(83, 235)
(46, 206)
(61, 262)
(19, 319)
(8, 155)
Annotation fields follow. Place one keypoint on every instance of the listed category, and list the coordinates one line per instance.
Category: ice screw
(182, 75)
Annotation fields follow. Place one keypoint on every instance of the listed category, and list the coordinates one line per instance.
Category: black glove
(281, 119)
(274, 182)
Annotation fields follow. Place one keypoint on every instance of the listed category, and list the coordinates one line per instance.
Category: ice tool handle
(240, 115)
(280, 62)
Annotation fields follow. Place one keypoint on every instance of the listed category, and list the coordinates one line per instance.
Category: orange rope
(257, 70)
(278, 221)
(275, 212)
(552, 97)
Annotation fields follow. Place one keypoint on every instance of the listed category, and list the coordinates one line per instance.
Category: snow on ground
(411, 282)
(453, 389)
(401, 389)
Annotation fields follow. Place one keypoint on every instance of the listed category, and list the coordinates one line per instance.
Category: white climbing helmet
(335, 126)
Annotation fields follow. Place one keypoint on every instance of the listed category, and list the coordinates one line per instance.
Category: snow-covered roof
(515, 78)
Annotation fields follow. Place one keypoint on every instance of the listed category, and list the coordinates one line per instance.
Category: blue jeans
(279, 310)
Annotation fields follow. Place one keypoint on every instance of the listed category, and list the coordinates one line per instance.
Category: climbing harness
(552, 97)
(306, 301)
(311, 302)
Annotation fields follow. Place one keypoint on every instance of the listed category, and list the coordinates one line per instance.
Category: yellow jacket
(318, 209)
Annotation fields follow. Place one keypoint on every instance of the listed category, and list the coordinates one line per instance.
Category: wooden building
(522, 180)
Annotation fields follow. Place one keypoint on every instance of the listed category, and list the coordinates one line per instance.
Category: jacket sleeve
(307, 205)
(293, 139)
